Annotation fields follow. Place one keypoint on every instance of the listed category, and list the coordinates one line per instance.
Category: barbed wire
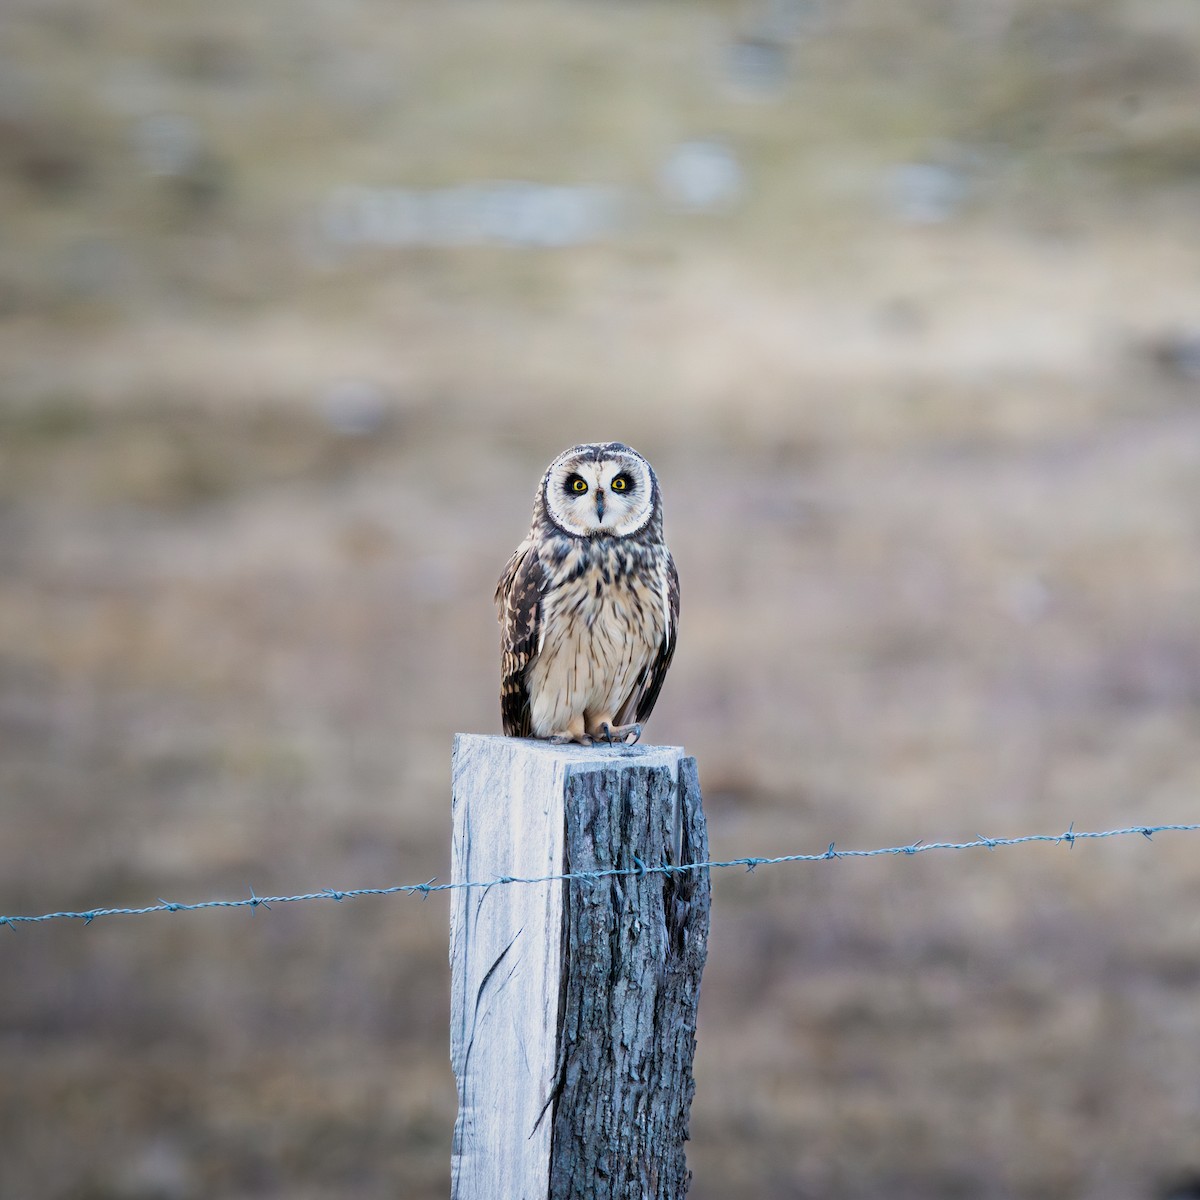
(254, 902)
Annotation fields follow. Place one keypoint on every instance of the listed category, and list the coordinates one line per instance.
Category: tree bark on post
(573, 1003)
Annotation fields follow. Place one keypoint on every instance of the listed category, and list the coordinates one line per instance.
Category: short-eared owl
(589, 603)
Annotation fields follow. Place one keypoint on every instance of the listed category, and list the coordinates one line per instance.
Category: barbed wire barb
(639, 869)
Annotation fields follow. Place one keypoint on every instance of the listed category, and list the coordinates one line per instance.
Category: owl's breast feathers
(584, 619)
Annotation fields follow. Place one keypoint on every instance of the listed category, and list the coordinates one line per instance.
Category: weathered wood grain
(574, 1005)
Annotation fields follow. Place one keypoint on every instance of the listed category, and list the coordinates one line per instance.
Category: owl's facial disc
(600, 490)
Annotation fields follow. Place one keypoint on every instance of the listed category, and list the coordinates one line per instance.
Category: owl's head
(600, 489)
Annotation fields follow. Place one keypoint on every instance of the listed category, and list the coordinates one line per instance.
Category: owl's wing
(645, 695)
(519, 600)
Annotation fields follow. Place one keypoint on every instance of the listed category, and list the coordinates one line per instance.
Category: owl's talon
(620, 735)
(567, 739)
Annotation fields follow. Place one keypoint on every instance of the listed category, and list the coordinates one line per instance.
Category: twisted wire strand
(254, 902)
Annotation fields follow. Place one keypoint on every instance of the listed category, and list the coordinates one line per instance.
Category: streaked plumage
(589, 602)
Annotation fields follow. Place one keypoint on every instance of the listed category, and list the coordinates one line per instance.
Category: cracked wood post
(573, 1004)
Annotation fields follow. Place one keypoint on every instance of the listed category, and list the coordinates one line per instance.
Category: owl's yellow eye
(577, 485)
(620, 483)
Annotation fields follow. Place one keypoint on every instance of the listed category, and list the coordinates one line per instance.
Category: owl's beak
(599, 504)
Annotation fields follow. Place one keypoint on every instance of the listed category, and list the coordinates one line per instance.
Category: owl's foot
(626, 734)
(569, 739)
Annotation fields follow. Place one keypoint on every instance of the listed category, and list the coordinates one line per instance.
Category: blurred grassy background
(903, 303)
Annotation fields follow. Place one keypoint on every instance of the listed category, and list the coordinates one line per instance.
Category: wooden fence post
(573, 1005)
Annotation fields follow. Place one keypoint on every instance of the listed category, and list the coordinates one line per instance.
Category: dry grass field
(919, 369)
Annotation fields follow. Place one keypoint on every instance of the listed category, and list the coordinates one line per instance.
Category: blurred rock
(758, 63)
(159, 1172)
(1176, 353)
(167, 143)
(925, 193)
(171, 147)
(505, 212)
(48, 159)
(354, 408)
(1186, 1188)
(757, 67)
(702, 176)
(790, 18)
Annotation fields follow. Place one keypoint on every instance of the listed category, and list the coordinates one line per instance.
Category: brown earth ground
(932, 482)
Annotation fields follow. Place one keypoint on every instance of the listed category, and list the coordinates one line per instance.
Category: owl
(588, 603)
